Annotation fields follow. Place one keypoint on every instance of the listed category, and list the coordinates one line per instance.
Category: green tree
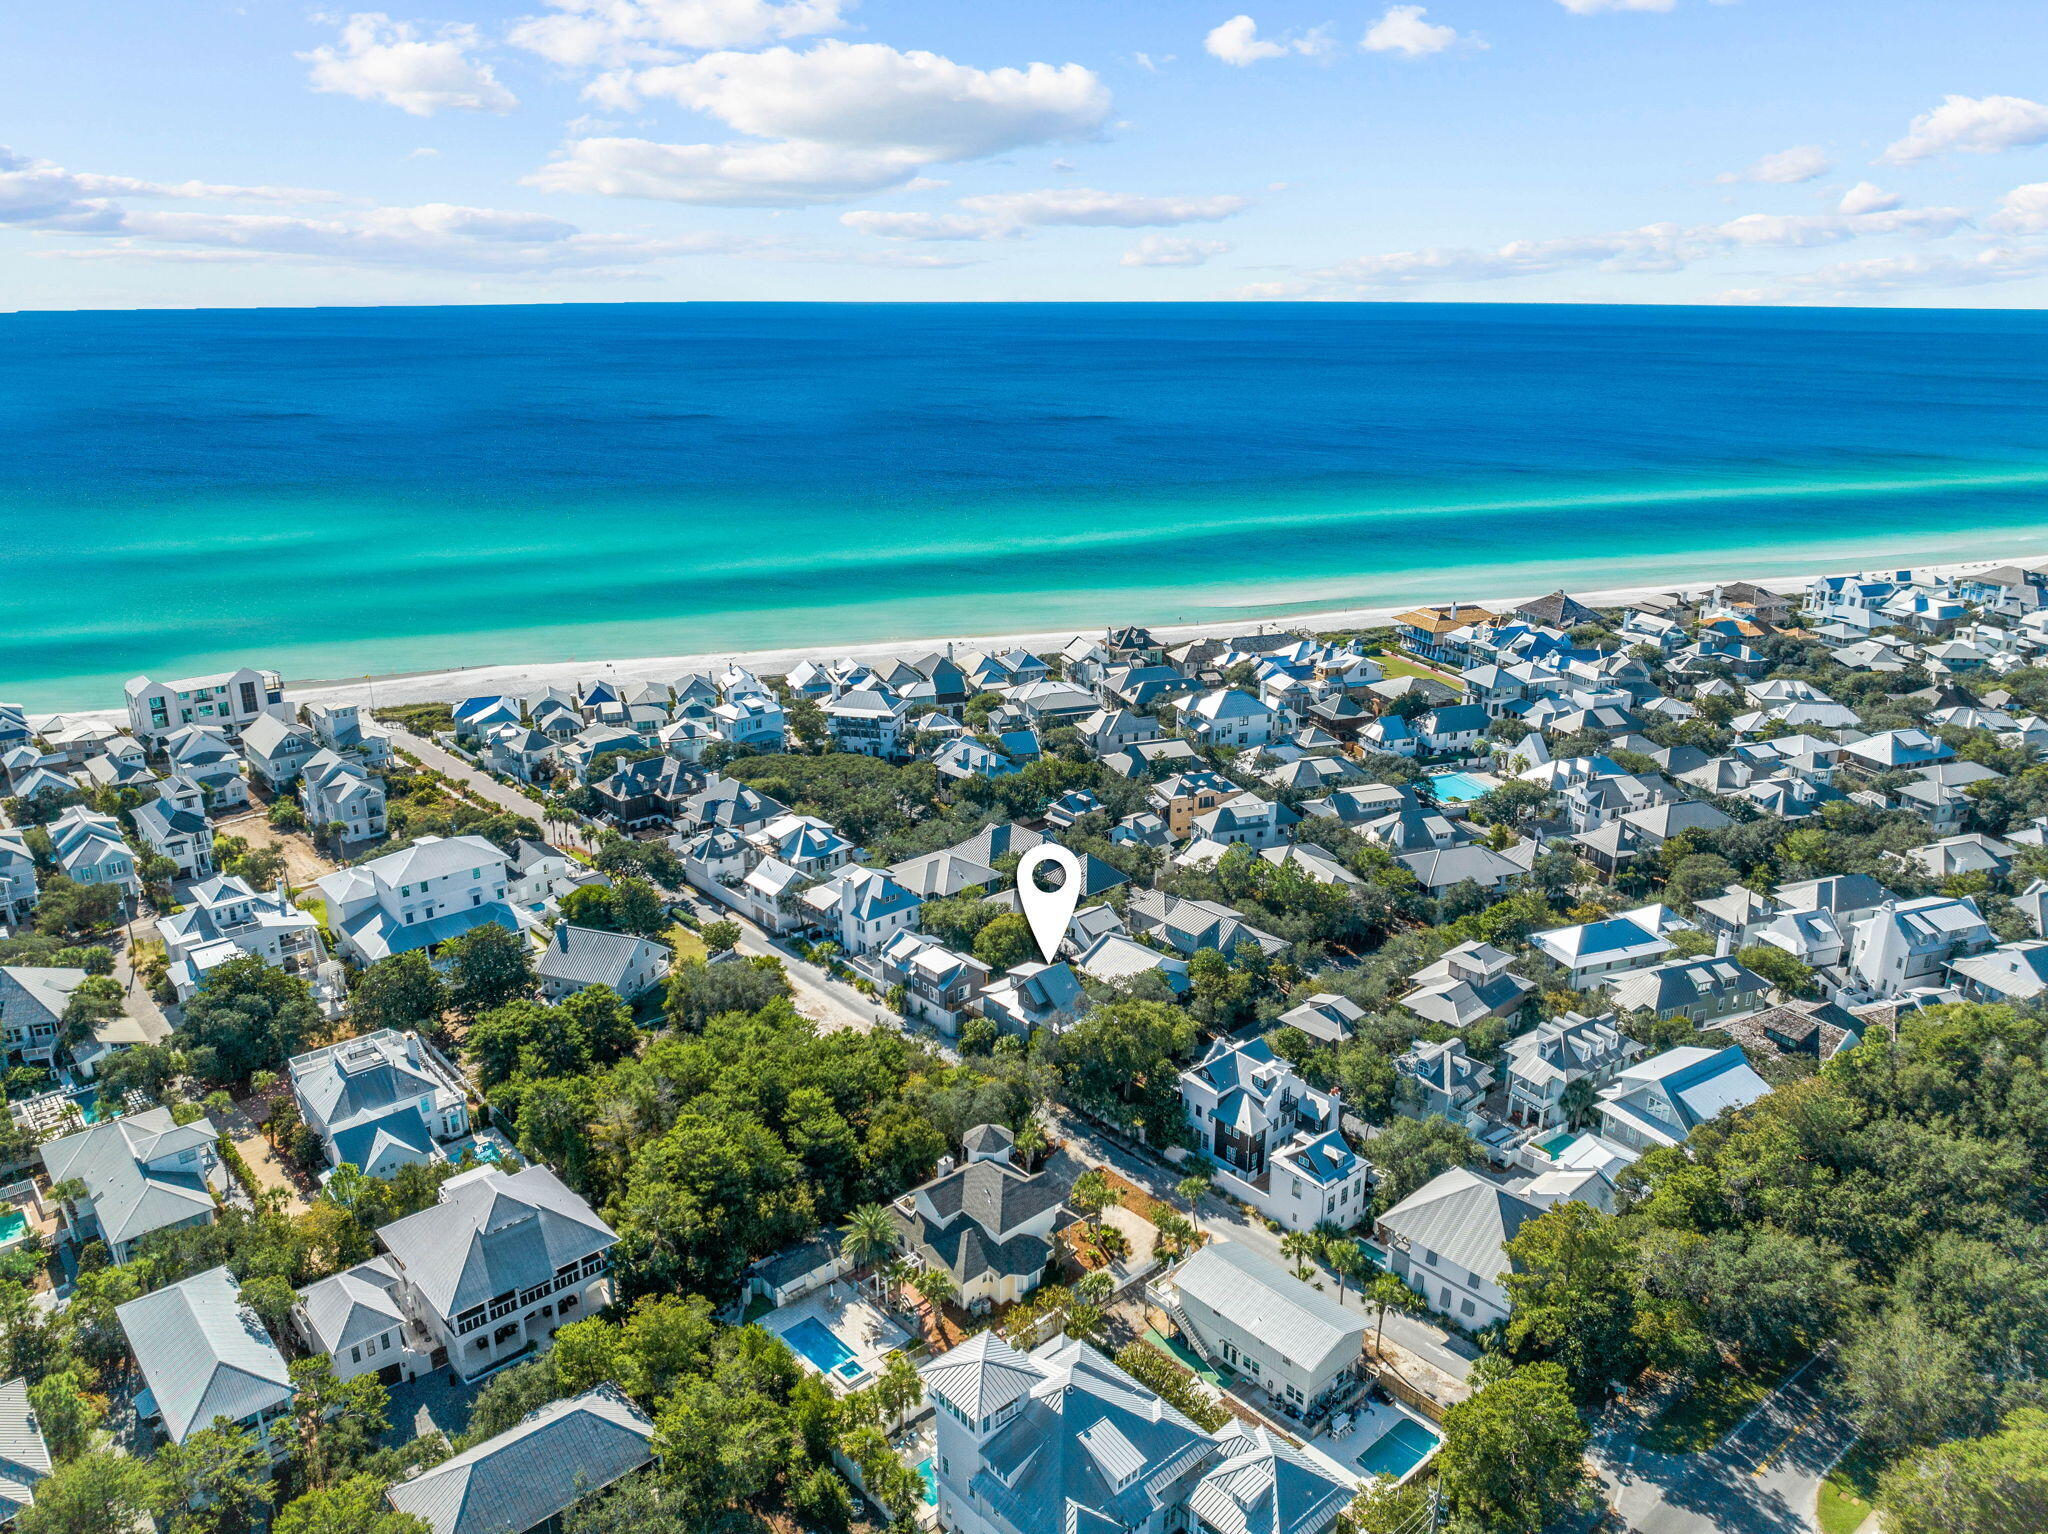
(401, 992)
(1387, 1292)
(1409, 1152)
(1779, 967)
(601, 1022)
(221, 1480)
(868, 1235)
(1091, 1193)
(67, 1411)
(1572, 1296)
(355, 1506)
(338, 1421)
(271, 1297)
(97, 999)
(720, 936)
(1513, 1455)
(699, 992)
(1992, 1485)
(488, 966)
(637, 907)
(1300, 1247)
(93, 1494)
(1908, 1383)
(1005, 942)
(1122, 1063)
(247, 1016)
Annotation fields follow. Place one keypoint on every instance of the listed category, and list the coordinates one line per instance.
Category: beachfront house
(229, 701)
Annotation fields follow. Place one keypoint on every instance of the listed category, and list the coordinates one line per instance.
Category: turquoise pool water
(1457, 787)
(823, 1347)
(1399, 1450)
(12, 1224)
(1554, 1146)
(931, 1481)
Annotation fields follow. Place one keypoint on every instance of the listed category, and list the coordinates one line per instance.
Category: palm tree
(1346, 1261)
(1090, 1195)
(1194, 1188)
(1299, 1247)
(935, 1286)
(868, 1235)
(1576, 1102)
(1031, 1141)
(1386, 1292)
(1177, 1233)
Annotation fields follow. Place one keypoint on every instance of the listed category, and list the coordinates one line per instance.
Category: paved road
(1453, 1355)
(1763, 1478)
(488, 788)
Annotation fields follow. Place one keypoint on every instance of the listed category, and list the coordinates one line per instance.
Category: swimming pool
(1554, 1146)
(931, 1481)
(823, 1347)
(12, 1224)
(1399, 1449)
(1459, 787)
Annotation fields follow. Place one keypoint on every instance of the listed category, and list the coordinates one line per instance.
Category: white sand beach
(525, 679)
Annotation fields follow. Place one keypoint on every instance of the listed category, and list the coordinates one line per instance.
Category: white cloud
(1165, 250)
(391, 61)
(39, 197)
(424, 154)
(785, 174)
(1974, 125)
(1114, 210)
(1662, 247)
(1787, 167)
(1888, 274)
(1593, 7)
(2023, 210)
(927, 226)
(586, 34)
(867, 96)
(841, 120)
(1007, 215)
(1402, 30)
(1237, 42)
(1865, 197)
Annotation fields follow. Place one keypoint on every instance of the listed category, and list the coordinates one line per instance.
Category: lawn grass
(688, 946)
(1706, 1410)
(1406, 665)
(1846, 1495)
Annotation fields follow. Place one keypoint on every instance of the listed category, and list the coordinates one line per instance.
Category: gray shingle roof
(551, 1461)
(204, 1354)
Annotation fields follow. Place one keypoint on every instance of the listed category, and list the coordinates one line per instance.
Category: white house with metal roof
(228, 701)
(24, 1456)
(493, 1268)
(1274, 1138)
(418, 897)
(353, 1318)
(1293, 1342)
(1593, 953)
(204, 1354)
(1662, 1100)
(32, 1003)
(529, 1475)
(381, 1101)
(1445, 1242)
(1060, 1440)
(90, 849)
(861, 908)
(224, 919)
(579, 957)
(141, 1173)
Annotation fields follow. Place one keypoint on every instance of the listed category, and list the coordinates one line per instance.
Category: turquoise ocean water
(340, 492)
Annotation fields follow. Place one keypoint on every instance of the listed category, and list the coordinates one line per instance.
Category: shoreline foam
(453, 684)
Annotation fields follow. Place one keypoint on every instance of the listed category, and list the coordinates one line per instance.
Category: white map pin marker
(1048, 911)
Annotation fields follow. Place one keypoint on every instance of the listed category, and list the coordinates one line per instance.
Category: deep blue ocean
(344, 491)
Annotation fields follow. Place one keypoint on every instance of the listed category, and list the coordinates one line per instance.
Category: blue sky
(1633, 151)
